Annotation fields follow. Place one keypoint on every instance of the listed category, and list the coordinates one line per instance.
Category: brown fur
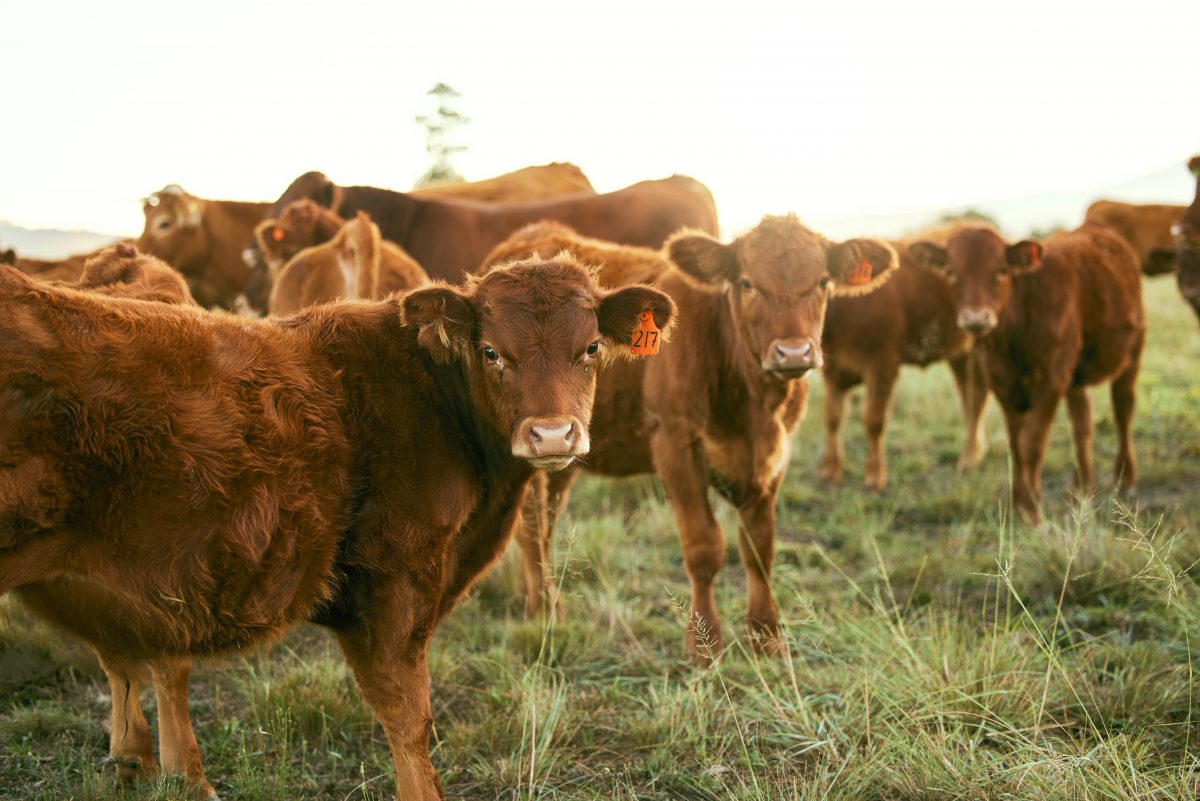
(68, 269)
(1063, 316)
(175, 483)
(122, 272)
(525, 185)
(910, 320)
(706, 411)
(355, 265)
(1147, 229)
(1187, 270)
(449, 239)
(203, 239)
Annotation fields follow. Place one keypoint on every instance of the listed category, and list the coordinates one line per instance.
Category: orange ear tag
(861, 274)
(645, 336)
(277, 234)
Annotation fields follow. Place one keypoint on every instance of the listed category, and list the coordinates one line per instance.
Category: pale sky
(823, 108)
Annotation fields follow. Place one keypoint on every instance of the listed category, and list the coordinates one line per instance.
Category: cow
(203, 239)
(356, 264)
(910, 319)
(121, 271)
(68, 269)
(1147, 229)
(525, 185)
(451, 238)
(718, 406)
(303, 224)
(1187, 271)
(1050, 320)
(176, 483)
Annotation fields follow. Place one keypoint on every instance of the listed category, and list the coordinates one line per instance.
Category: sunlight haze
(826, 109)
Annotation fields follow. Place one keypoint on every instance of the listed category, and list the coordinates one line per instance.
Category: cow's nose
(977, 320)
(792, 356)
(552, 441)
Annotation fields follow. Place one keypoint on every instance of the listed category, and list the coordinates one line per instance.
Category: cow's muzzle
(977, 320)
(550, 443)
(792, 358)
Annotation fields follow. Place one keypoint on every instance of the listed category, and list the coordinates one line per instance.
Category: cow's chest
(754, 456)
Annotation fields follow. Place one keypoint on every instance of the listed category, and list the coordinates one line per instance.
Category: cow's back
(178, 445)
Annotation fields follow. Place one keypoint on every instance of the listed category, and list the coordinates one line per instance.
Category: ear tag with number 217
(645, 336)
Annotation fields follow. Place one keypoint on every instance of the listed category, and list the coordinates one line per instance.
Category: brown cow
(303, 224)
(355, 265)
(1147, 229)
(718, 406)
(1050, 321)
(121, 271)
(203, 239)
(525, 185)
(68, 269)
(175, 483)
(1187, 272)
(449, 239)
(911, 319)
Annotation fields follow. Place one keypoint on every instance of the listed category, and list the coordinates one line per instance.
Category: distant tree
(968, 215)
(440, 129)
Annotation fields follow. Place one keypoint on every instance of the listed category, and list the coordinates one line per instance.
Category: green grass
(936, 649)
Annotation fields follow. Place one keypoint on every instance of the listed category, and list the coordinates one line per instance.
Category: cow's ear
(445, 317)
(1023, 257)
(860, 266)
(620, 313)
(929, 256)
(703, 259)
(1160, 262)
(1194, 165)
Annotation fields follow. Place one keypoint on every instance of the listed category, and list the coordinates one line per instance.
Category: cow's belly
(188, 600)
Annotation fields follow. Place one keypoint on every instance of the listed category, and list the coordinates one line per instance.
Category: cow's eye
(491, 356)
(164, 224)
(593, 349)
(746, 284)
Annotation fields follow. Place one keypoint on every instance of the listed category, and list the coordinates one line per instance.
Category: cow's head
(982, 267)
(173, 230)
(530, 337)
(778, 279)
(1187, 239)
(302, 224)
(122, 271)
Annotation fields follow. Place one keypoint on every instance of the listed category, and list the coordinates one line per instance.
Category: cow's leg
(1014, 422)
(547, 498)
(129, 741)
(835, 406)
(389, 662)
(1035, 431)
(681, 468)
(973, 393)
(1080, 409)
(880, 380)
(756, 542)
(176, 740)
(1124, 398)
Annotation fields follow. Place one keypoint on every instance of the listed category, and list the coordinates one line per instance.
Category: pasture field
(936, 650)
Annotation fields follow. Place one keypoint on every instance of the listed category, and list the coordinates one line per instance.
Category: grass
(936, 649)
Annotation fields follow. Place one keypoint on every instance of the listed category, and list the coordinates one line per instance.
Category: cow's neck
(501, 479)
(228, 228)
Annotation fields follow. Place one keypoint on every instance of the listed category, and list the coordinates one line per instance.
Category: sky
(828, 109)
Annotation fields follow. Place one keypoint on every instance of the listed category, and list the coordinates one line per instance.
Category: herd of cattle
(180, 477)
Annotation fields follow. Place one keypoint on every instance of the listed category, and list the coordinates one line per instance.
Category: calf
(1147, 229)
(717, 408)
(911, 319)
(121, 271)
(175, 483)
(203, 239)
(1050, 321)
(1187, 271)
(356, 264)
